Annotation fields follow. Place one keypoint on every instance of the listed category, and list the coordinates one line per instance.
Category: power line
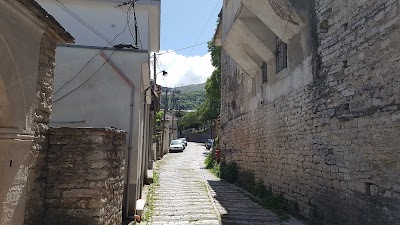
(180, 49)
(204, 28)
(91, 60)
(137, 29)
(200, 79)
(86, 79)
(82, 21)
(137, 37)
(158, 63)
(128, 18)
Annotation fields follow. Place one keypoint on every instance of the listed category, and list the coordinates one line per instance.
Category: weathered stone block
(335, 141)
(85, 176)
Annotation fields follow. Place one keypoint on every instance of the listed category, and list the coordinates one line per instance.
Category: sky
(182, 23)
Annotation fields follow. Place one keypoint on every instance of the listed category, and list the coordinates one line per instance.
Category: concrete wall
(92, 12)
(85, 176)
(105, 99)
(328, 138)
(102, 101)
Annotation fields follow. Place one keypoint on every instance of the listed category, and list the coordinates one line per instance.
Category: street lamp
(164, 73)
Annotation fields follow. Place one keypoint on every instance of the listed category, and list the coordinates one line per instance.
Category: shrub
(229, 171)
(212, 165)
(247, 181)
(209, 161)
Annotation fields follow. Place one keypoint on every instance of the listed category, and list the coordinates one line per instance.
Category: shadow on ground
(236, 208)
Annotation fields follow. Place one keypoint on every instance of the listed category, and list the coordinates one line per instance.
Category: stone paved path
(190, 194)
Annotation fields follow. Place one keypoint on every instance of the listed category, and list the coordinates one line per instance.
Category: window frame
(264, 73)
(281, 56)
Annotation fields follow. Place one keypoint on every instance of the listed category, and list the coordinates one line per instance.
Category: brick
(341, 126)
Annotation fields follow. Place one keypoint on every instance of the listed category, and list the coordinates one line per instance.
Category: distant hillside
(190, 97)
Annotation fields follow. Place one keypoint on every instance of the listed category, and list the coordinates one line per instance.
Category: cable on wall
(82, 21)
(80, 71)
(65, 95)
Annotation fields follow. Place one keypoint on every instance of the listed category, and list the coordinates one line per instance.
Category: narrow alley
(189, 194)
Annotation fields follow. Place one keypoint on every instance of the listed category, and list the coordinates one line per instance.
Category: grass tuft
(212, 165)
(150, 198)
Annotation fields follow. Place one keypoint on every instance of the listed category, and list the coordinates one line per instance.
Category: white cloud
(183, 70)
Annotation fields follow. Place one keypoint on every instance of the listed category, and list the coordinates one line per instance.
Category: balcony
(250, 28)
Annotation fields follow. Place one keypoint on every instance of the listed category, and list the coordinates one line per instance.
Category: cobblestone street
(190, 194)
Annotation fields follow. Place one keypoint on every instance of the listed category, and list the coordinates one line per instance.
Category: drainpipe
(130, 84)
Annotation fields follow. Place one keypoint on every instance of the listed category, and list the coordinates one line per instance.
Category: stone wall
(85, 176)
(333, 145)
(40, 118)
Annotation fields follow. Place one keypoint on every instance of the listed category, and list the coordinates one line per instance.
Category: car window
(175, 142)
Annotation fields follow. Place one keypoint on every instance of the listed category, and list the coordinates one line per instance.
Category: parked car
(184, 141)
(176, 146)
(209, 143)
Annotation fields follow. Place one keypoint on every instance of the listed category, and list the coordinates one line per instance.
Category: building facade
(104, 79)
(28, 38)
(310, 103)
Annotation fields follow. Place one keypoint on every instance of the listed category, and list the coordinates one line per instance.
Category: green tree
(190, 120)
(159, 117)
(210, 109)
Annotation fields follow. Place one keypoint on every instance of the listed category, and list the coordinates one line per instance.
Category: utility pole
(173, 112)
(178, 131)
(165, 114)
(155, 68)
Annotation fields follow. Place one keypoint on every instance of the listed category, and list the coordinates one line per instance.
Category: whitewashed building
(98, 84)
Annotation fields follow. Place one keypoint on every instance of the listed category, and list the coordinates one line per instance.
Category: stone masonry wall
(332, 146)
(85, 176)
(36, 180)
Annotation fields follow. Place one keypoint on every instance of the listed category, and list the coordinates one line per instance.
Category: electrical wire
(137, 28)
(76, 75)
(159, 67)
(180, 49)
(204, 28)
(128, 18)
(202, 79)
(137, 38)
(198, 38)
(82, 21)
(65, 95)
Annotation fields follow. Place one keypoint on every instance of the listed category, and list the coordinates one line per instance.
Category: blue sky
(182, 22)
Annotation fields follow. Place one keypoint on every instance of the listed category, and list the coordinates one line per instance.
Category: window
(281, 55)
(264, 73)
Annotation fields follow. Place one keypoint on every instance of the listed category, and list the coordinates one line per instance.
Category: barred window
(281, 55)
(264, 73)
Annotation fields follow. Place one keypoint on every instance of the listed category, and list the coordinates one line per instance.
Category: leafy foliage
(190, 120)
(190, 97)
(213, 165)
(211, 107)
(159, 117)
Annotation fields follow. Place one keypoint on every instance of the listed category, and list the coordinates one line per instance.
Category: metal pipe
(132, 100)
(128, 173)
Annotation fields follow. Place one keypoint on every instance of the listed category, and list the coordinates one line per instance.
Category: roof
(48, 19)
